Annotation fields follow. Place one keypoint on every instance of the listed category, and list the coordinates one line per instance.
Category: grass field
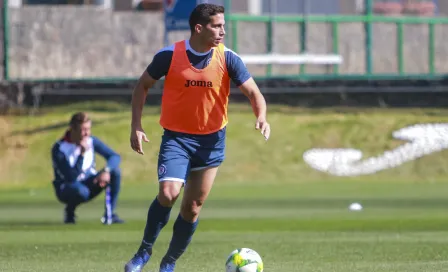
(265, 197)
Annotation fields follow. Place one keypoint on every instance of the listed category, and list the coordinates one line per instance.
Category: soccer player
(194, 118)
(76, 179)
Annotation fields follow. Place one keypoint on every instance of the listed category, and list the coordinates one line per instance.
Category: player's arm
(251, 91)
(139, 94)
(112, 158)
(243, 80)
(156, 69)
(62, 167)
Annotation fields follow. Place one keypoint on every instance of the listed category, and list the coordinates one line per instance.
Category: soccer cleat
(137, 263)
(69, 220)
(114, 219)
(167, 266)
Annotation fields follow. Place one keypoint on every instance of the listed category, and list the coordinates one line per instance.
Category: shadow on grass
(61, 125)
(239, 104)
(81, 225)
(32, 224)
(299, 203)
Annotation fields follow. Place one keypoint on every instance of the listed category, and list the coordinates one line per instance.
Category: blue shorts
(181, 153)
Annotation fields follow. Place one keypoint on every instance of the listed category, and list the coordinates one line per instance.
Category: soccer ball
(244, 260)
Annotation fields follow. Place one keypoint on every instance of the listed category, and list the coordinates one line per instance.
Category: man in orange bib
(194, 118)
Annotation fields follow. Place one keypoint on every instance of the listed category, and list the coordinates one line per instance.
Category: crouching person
(76, 179)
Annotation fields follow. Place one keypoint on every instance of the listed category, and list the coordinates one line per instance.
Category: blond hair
(78, 119)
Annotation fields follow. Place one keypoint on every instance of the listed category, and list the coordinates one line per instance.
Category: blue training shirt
(161, 62)
(70, 166)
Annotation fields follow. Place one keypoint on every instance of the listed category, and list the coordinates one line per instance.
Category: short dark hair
(201, 14)
(78, 119)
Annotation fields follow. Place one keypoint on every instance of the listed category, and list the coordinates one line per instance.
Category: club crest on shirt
(162, 169)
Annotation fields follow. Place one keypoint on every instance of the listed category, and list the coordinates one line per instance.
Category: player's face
(213, 33)
(81, 132)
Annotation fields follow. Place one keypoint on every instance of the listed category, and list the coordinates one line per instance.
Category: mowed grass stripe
(67, 237)
(263, 225)
(281, 252)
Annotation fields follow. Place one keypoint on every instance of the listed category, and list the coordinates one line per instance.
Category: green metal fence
(367, 21)
(335, 22)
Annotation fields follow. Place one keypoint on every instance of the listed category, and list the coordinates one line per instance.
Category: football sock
(158, 216)
(70, 210)
(115, 184)
(182, 234)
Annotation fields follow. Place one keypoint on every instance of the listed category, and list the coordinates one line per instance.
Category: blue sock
(70, 209)
(115, 184)
(158, 216)
(182, 234)
(112, 192)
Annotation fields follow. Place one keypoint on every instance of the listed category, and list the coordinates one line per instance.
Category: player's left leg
(112, 191)
(196, 191)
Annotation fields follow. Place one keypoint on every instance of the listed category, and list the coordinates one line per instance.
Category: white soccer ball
(355, 207)
(244, 260)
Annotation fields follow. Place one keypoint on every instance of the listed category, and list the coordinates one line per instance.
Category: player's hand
(84, 145)
(103, 179)
(264, 128)
(137, 135)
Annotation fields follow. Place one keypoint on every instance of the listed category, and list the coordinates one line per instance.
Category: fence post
(369, 36)
(303, 33)
(269, 41)
(235, 35)
(270, 32)
(431, 48)
(5, 40)
(303, 42)
(400, 53)
(227, 8)
(335, 34)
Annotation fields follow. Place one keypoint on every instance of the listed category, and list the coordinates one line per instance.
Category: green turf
(304, 227)
(265, 197)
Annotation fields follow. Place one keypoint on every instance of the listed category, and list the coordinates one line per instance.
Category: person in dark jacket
(76, 179)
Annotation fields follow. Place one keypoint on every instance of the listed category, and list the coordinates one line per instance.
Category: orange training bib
(195, 100)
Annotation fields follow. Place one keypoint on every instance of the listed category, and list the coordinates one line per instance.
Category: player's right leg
(173, 168)
(196, 191)
(72, 194)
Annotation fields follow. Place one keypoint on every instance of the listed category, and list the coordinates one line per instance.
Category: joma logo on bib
(422, 140)
(198, 83)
